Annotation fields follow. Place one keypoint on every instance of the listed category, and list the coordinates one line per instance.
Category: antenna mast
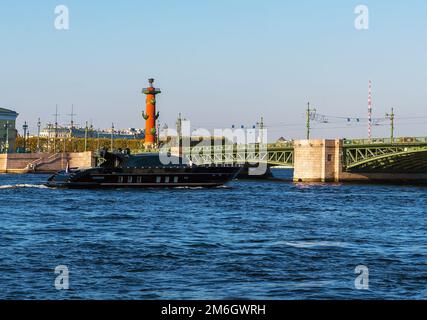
(72, 115)
(56, 128)
(370, 110)
(310, 114)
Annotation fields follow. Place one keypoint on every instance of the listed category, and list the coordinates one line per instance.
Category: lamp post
(97, 140)
(391, 116)
(38, 134)
(158, 134)
(25, 128)
(310, 113)
(48, 142)
(56, 129)
(71, 139)
(86, 129)
(112, 137)
(6, 146)
(91, 136)
(261, 128)
(28, 138)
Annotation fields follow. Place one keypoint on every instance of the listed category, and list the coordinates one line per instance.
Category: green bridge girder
(272, 154)
(400, 155)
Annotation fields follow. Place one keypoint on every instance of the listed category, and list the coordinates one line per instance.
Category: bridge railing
(376, 141)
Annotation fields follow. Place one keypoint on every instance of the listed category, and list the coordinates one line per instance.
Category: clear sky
(218, 62)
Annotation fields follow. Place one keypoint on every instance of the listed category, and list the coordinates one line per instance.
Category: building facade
(67, 132)
(8, 132)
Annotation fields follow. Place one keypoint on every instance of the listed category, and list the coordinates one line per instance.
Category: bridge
(402, 155)
(374, 155)
(312, 160)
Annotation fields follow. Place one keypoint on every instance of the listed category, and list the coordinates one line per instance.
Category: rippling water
(253, 239)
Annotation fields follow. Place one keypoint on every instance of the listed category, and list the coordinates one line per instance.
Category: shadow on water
(286, 176)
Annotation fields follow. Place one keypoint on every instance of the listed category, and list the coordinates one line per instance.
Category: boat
(124, 170)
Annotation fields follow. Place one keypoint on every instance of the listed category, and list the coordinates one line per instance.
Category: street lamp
(112, 137)
(28, 139)
(25, 127)
(391, 116)
(38, 135)
(86, 132)
(97, 140)
(261, 130)
(6, 146)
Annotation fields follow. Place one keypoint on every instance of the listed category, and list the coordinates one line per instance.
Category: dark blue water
(257, 240)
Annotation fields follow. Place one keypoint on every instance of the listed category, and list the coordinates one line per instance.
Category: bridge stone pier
(317, 160)
(350, 161)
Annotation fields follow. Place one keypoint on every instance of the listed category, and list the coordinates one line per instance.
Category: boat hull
(97, 178)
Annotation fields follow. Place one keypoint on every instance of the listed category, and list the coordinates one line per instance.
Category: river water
(249, 240)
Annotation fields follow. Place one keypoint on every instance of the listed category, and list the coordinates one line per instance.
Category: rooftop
(4, 110)
(6, 114)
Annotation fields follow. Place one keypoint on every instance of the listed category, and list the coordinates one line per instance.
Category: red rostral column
(150, 114)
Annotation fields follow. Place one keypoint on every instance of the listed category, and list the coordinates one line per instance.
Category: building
(72, 132)
(282, 140)
(8, 132)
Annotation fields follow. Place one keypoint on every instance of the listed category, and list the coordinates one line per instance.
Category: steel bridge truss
(271, 155)
(396, 157)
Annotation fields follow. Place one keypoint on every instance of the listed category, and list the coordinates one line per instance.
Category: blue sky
(218, 62)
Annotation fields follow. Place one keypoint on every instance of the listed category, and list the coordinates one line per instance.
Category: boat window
(130, 179)
(120, 179)
(158, 179)
(166, 179)
(139, 179)
(175, 179)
